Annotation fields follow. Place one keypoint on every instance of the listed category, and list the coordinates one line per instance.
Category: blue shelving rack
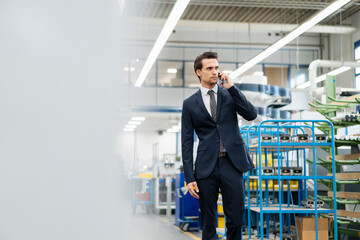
(265, 210)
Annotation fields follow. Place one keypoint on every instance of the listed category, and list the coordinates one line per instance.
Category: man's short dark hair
(205, 55)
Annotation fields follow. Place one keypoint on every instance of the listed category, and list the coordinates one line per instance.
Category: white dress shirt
(206, 96)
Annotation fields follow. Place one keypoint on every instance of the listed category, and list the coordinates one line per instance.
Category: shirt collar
(204, 90)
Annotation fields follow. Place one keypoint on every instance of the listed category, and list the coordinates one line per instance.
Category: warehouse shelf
(290, 145)
(276, 154)
(289, 209)
(275, 177)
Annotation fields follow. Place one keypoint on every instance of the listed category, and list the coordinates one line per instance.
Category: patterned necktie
(213, 114)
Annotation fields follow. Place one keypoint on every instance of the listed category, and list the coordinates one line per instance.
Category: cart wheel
(181, 225)
(186, 227)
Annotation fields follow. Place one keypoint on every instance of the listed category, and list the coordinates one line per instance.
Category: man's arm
(187, 146)
(187, 143)
(243, 106)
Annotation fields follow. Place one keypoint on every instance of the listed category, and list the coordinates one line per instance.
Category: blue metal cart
(187, 207)
(281, 208)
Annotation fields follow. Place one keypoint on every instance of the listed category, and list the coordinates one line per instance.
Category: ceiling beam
(244, 26)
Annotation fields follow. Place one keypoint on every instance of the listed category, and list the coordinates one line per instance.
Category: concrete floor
(143, 226)
(148, 226)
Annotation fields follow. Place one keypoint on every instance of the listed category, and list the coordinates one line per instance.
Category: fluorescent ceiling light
(176, 127)
(172, 70)
(128, 129)
(323, 77)
(174, 17)
(172, 130)
(289, 37)
(138, 119)
(130, 126)
(134, 122)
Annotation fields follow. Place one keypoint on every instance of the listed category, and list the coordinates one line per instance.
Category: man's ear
(198, 72)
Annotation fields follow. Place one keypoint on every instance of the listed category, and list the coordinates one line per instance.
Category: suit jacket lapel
(202, 105)
(219, 101)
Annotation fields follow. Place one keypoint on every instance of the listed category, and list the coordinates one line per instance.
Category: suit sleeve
(243, 106)
(187, 143)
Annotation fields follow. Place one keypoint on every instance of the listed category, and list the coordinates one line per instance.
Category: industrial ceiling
(253, 11)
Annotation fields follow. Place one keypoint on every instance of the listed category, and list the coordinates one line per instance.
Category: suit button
(217, 126)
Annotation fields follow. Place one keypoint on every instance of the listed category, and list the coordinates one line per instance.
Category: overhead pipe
(314, 65)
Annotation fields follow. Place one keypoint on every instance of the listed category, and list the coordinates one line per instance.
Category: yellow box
(294, 184)
(221, 222)
(269, 160)
(254, 183)
(145, 175)
(220, 209)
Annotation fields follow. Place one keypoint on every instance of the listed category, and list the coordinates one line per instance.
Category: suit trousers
(230, 181)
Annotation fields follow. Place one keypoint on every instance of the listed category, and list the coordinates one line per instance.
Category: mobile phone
(220, 80)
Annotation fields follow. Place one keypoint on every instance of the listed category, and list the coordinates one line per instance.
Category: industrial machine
(168, 167)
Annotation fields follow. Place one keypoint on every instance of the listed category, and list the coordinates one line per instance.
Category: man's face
(209, 72)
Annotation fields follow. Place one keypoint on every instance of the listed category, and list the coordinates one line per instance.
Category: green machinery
(329, 110)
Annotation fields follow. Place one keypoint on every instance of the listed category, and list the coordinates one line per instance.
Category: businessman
(222, 157)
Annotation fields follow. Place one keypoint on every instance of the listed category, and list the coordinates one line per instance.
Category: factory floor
(141, 225)
(149, 226)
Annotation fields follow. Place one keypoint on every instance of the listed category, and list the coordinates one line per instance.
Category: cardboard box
(306, 228)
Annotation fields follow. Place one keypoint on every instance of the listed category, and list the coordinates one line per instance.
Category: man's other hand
(193, 189)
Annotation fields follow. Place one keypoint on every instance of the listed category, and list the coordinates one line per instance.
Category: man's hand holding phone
(225, 80)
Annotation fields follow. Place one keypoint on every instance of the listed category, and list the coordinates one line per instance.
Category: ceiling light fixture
(128, 129)
(174, 17)
(289, 37)
(138, 119)
(134, 122)
(172, 130)
(130, 126)
(172, 70)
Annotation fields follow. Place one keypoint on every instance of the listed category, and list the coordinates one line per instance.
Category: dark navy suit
(212, 172)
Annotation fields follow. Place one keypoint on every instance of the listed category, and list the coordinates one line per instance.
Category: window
(299, 75)
(357, 58)
(170, 73)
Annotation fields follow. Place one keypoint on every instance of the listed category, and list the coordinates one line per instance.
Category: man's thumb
(196, 188)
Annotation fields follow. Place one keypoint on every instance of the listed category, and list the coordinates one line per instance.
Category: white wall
(346, 79)
(59, 88)
(135, 160)
(355, 21)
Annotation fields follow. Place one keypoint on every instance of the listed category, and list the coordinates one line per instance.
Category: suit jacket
(196, 117)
